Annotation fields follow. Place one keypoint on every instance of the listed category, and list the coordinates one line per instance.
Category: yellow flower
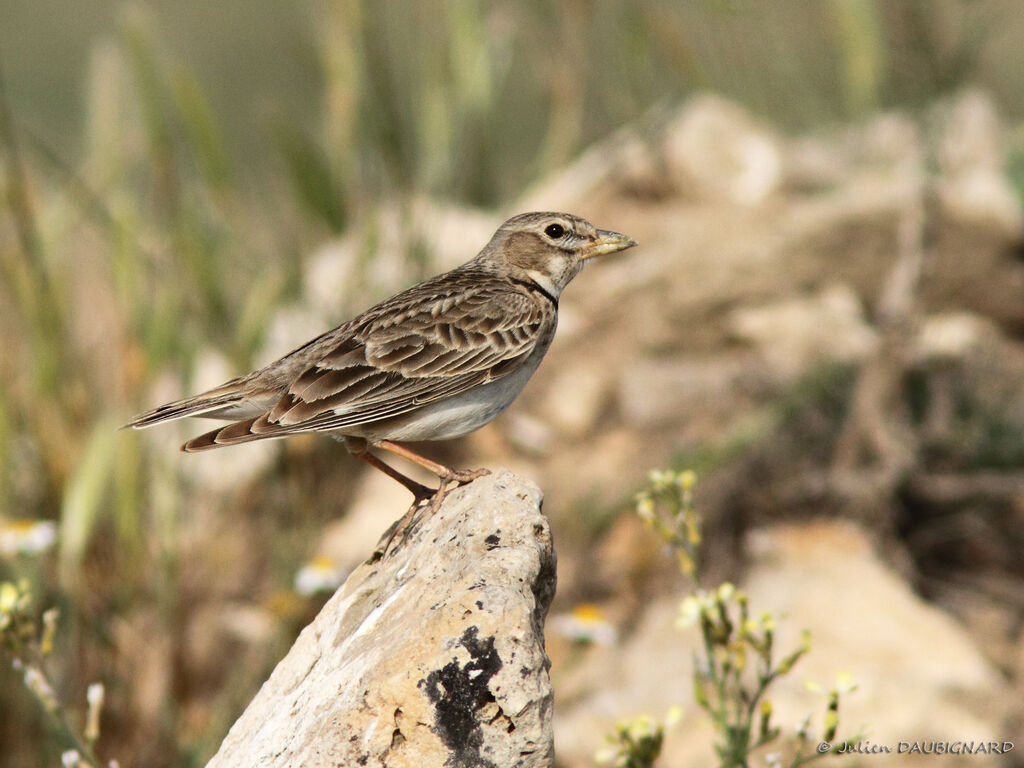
(50, 617)
(8, 597)
(645, 507)
(844, 682)
(687, 479)
(641, 727)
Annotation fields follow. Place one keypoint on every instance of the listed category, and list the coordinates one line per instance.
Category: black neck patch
(532, 286)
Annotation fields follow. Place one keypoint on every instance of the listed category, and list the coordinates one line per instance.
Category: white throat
(545, 282)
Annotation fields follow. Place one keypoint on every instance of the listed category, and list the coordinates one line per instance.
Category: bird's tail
(217, 403)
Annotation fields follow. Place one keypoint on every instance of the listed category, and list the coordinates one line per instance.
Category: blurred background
(825, 320)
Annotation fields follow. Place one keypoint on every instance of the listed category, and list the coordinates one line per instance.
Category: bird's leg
(400, 528)
(447, 474)
(357, 447)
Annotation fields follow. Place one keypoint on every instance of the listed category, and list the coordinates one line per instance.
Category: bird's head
(550, 249)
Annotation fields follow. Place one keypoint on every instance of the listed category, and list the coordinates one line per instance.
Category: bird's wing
(420, 347)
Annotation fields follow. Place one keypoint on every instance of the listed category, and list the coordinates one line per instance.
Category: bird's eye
(554, 231)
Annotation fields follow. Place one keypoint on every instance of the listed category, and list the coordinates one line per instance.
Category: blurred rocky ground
(830, 330)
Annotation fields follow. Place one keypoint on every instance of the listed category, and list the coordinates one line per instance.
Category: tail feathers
(200, 405)
(244, 431)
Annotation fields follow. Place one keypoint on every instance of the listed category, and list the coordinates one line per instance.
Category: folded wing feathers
(236, 432)
(377, 373)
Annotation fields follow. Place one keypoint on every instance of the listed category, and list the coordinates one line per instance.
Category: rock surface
(920, 678)
(430, 656)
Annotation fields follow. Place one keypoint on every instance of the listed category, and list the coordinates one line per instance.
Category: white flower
(26, 537)
(585, 623)
(693, 607)
(94, 694)
(321, 574)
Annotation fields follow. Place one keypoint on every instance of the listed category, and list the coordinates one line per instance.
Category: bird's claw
(427, 500)
(462, 476)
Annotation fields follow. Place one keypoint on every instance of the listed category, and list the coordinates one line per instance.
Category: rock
(382, 253)
(529, 434)
(920, 676)
(653, 391)
(797, 333)
(293, 322)
(430, 656)
(575, 398)
(973, 182)
(952, 335)
(621, 160)
(714, 150)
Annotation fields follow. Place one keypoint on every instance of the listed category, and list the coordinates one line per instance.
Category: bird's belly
(452, 417)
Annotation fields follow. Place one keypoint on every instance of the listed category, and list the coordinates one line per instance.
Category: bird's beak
(607, 242)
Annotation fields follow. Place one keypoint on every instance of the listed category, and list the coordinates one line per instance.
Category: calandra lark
(435, 362)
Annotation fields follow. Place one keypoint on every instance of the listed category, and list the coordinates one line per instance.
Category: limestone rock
(714, 150)
(920, 676)
(654, 391)
(952, 335)
(973, 181)
(430, 656)
(797, 333)
(576, 397)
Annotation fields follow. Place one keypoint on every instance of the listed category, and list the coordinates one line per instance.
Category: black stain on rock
(493, 541)
(457, 694)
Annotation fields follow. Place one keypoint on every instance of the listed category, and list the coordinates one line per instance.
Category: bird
(434, 362)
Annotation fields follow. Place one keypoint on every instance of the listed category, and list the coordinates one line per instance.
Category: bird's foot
(462, 476)
(399, 530)
(428, 501)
